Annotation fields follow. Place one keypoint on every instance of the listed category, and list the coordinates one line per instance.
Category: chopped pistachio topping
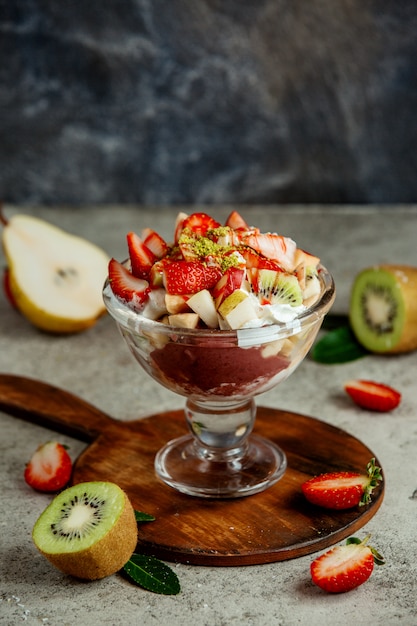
(232, 260)
(207, 250)
(220, 231)
(202, 246)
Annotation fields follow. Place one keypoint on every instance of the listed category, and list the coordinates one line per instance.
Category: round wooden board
(275, 525)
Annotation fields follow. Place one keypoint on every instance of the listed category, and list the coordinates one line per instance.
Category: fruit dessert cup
(218, 368)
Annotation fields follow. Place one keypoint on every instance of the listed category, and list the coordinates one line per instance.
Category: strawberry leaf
(378, 558)
(338, 346)
(151, 574)
(143, 517)
(374, 478)
(351, 540)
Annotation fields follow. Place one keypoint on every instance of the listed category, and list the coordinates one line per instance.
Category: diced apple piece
(155, 305)
(232, 301)
(184, 320)
(156, 275)
(244, 312)
(176, 303)
(202, 303)
(305, 258)
(312, 288)
(223, 325)
(305, 263)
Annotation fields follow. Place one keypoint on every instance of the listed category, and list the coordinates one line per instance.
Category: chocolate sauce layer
(226, 371)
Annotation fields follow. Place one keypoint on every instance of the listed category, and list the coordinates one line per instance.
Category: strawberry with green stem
(343, 490)
(345, 567)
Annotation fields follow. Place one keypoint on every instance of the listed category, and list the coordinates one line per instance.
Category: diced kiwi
(272, 287)
(383, 308)
(88, 531)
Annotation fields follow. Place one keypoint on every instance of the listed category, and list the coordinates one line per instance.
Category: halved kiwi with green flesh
(274, 287)
(383, 308)
(88, 531)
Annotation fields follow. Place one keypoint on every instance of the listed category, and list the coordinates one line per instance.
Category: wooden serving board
(275, 525)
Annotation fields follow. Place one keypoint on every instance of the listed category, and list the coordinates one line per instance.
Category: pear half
(55, 278)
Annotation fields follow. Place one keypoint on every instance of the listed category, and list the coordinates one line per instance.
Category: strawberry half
(373, 396)
(345, 567)
(50, 468)
(187, 277)
(342, 490)
(126, 286)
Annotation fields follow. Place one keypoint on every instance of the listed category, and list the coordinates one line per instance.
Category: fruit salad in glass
(219, 315)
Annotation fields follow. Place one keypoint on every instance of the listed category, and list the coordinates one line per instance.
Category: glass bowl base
(195, 470)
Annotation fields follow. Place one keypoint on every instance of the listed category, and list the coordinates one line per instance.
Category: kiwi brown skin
(105, 557)
(406, 288)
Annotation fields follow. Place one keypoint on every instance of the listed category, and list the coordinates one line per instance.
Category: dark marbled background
(208, 101)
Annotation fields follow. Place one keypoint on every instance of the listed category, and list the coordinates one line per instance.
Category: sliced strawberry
(187, 277)
(231, 280)
(155, 243)
(373, 396)
(236, 221)
(344, 568)
(140, 255)
(274, 247)
(126, 286)
(200, 223)
(188, 249)
(257, 261)
(179, 220)
(50, 468)
(342, 490)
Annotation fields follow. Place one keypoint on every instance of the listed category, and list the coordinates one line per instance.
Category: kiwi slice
(88, 531)
(383, 308)
(271, 287)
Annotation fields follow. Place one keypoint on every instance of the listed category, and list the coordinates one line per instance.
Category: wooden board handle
(49, 406)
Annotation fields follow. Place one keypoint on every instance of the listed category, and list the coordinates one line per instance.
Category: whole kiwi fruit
(88, 530)
(383, 308)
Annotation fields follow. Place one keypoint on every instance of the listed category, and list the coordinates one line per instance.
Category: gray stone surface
(97, 366)
(212, 101)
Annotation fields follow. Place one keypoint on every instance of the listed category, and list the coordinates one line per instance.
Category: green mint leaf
(151, 574)
(143, 517)
(338, 346)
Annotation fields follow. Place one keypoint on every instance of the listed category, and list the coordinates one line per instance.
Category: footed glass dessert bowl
(220, 372)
